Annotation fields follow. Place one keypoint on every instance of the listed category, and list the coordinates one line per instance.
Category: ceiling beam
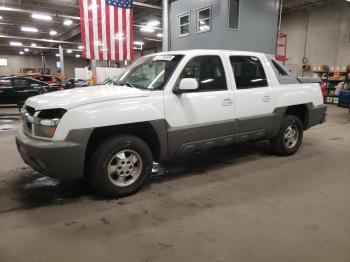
(40, 47)
(20, 10)
(10, 9)
(158, 7)
(291, 5)
(39, 39)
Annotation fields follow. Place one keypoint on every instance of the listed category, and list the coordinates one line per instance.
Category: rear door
(254, 96)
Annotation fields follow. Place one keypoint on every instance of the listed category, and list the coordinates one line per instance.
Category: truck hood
(68, 99)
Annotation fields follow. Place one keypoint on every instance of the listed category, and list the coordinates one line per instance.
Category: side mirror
(186, 84)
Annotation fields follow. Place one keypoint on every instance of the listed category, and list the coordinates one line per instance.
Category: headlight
(47, 121)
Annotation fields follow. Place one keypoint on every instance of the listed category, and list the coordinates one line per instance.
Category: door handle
(227, 102)
(266, 99)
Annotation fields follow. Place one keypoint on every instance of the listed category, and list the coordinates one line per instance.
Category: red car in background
(45, 78)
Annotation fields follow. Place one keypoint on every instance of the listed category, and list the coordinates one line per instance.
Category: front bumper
(63, 159)
(317, 115)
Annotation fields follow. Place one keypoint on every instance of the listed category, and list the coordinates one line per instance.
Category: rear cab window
(282, 75)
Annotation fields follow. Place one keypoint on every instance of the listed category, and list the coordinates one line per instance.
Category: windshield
(151, 73)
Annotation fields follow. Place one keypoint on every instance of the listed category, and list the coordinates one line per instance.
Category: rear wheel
(289, 138)
(120, 166)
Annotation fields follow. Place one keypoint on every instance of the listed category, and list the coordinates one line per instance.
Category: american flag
(107, 30)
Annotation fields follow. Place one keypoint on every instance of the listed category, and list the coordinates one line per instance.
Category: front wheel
(120, 166)
(289, 138)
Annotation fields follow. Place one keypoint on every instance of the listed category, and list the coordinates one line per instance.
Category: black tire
(106, 152)
(278, 144)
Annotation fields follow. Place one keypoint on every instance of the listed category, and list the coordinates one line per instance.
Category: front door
(203, 118)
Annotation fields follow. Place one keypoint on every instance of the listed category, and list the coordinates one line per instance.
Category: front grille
(27, 127)
(27, 124)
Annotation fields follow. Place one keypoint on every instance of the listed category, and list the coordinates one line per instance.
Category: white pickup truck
(164, 106)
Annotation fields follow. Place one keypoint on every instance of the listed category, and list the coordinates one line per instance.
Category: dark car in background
(15, 90)
(53, 81)
(49, 79)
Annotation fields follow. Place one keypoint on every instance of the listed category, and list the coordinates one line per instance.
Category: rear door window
(248, 72)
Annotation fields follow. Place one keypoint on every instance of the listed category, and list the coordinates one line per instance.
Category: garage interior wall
(321, 34)
(16, 62)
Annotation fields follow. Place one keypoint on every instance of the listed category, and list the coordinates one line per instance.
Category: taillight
(60, 88)
(323, 86)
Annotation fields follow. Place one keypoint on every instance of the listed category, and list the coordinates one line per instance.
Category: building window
(203, 19)
(184, 24)
(3, 62)
(248, 72)
(233, 14)
(208, 71)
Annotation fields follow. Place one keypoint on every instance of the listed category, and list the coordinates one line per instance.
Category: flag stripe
(95, 29)
(87, 29)
(99, 29)
(131, 46)
(124, 33)
(116, 33)
(108, 33)
(91, 30)
(128, 34)
(112, 32)
(103, 21)
(120, 33)
(82, 27)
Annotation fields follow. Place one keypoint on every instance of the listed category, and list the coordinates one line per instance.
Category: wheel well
(299, 111)
(143, 130)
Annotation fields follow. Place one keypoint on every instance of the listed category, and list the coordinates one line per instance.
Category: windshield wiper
(129, 84)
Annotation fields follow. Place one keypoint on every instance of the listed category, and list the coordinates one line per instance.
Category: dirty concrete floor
(236, 204)
(8, 110)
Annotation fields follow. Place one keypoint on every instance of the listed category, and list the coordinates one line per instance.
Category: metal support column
(165, 25)
(61, 63)
(93, 76)
(43, 61)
